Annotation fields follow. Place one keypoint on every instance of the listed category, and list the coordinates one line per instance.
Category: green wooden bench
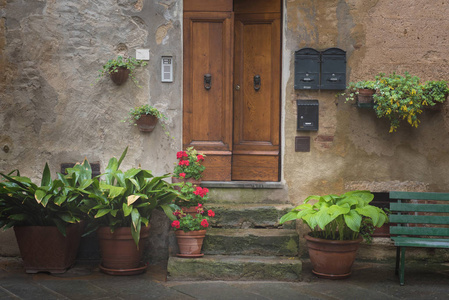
(418, 223)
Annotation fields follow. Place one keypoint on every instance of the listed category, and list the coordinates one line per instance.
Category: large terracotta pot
(45, 249)
(146, 123)
(190, 242)
(332, 259)
(119, 253)
(120, 76)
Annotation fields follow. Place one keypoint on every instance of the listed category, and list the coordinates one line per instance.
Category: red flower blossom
(201, 191)
(211, 213)
(199, 208)
(177, 213)
(175, 224)
(182, 175)
(184, 163)
(199, 157)
(181, 154)
(204, 223)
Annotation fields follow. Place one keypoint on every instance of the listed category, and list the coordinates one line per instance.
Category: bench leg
(402, 266)
(398, 256)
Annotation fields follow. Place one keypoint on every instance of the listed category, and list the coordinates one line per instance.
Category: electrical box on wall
(316, 70)
(167, 69)
(308, 111)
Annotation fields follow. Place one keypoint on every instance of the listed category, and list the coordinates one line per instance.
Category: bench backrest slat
(412, 207)
(419, 196)
(433, 231)
(441, 220)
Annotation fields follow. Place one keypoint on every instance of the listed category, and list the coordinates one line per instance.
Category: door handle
(207, 81)
(256, 83)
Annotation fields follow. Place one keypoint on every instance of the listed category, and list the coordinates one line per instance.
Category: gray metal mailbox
(307, 69)
(333, 69)
(308, 112)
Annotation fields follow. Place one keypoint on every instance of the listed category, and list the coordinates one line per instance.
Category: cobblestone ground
(85, 282)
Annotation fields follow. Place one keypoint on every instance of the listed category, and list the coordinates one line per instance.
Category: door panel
(256, 107)
(207, 113)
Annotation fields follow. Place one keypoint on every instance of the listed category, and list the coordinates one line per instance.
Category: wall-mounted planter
(146, 123)
(365, 98)
(120, 75)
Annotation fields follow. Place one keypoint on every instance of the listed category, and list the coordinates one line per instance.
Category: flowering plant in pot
(335, 221)
(120, 207)
(192, 195)
(49, 214)
(120, 68)
(189, 165)
(190, 231)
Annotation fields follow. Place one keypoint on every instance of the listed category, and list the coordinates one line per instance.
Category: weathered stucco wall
(352, 145)
(53, 110)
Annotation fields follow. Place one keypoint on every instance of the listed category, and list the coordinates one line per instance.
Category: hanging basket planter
(146, 123)
(365, 98)
(120, 75)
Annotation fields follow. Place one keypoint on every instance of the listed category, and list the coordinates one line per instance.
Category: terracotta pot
(190, 211)
(365, 97)
(119, 251)
(190, 243)
(45, 249)
(146, 123)
(120, 76)
(332, 259)
(191, 180)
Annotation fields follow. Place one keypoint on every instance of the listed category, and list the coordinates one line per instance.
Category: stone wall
(54, 110)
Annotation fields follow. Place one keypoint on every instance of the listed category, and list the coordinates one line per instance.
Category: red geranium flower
(204, 223)
(181, 154)
(175, 224)
(211, 213)
(183, 175)
(199, 157)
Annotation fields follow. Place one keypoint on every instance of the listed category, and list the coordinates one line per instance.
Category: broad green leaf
(102, 212)
(39, 195)
(336, 210)
(288, 217)
(169, 212)
(127, 209)
(60, 199)
(46, 176)
(122, 156)
(135, 217)
(67, 218)
(322, 217)
(353, 220)
(371, 212)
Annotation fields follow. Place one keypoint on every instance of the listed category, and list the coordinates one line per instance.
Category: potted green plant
(120, 207)
(189, 167)
(362, 92)
(120, 69)
(145, 117)
(335, 223)
(191, 230)
(48, 215)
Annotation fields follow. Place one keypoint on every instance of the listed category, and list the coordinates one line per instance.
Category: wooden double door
(231, 87)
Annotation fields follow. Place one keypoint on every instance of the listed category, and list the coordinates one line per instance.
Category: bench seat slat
(420, 242)
(434, 231)
(442, 220)
(419, 196)
(407, 207)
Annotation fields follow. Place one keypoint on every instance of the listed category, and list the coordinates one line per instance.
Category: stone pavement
(85, 282)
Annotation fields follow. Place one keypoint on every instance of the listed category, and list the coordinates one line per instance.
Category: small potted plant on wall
(191, 230)
(145, 117)
(47, 218)
(335, 224)
(120, 69)
(362, 92)
(189, 167)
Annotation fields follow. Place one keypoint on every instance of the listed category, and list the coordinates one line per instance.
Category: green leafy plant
(187, 222)
(189, 164)
(112, 66)
(192, 195)
(336, 217)
(128, 198)
(352, 90)
(401, 97)
(56, 202)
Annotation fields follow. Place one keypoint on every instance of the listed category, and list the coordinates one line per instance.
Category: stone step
(249, 215)
(270, 242)
(217, 267)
